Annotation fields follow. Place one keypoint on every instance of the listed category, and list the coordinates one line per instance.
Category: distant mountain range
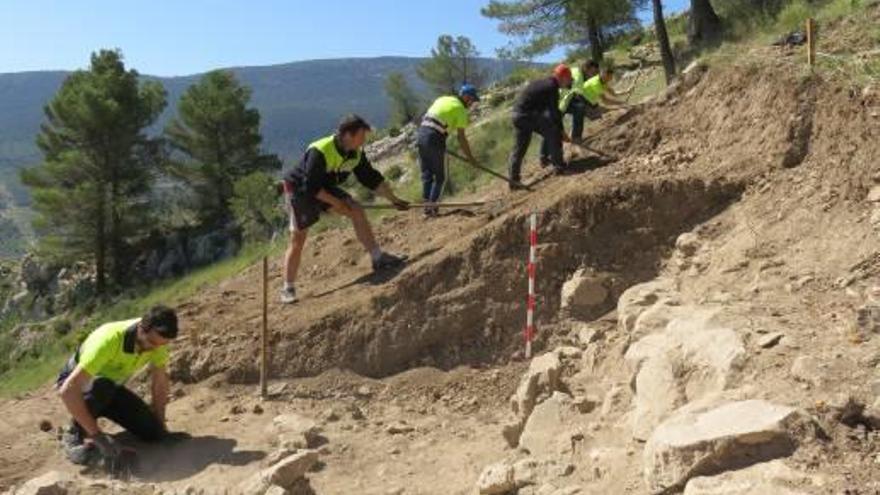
(298, 101)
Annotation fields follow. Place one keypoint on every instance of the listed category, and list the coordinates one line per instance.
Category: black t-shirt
(540, 97)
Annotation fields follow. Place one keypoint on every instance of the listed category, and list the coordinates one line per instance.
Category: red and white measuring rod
(530, 308)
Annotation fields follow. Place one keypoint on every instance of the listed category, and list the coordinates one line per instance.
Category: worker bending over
(536, 110)
(312, 188)
(447, 114)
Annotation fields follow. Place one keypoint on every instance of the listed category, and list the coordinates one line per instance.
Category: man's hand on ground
(108, 447)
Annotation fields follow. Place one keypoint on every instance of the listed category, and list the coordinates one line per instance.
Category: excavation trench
(466, 304)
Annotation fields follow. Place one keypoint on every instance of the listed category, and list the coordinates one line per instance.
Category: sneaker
(431, 212)
(386, 261)
(288, 295)
(517, 187)
(76, 450)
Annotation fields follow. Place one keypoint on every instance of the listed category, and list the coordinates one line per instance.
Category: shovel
(488, 171)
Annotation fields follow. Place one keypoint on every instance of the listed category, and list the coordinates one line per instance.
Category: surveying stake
(530, 305)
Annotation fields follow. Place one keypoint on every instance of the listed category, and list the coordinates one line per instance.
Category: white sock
(376, 253)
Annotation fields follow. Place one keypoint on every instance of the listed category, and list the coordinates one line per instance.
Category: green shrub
(61, 326)
(794, 15)
(393, 172)
(256, 206)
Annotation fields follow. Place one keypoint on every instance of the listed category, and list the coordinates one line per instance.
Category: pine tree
(453, 62)
(255, 206)
(542, 25)
(405, 104)
(91, 191)
(220, 139)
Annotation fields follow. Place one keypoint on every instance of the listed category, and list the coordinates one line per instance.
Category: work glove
(400, 204)
(108, 447)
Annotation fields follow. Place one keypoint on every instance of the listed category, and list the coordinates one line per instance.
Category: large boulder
(539, 381)
(552, 427)
(583, 295)
(640, 298)
(690, 359)
(496, 479)
(772, 477)
(284, 474)
(296, 432)
(511, 476)
(697, 441)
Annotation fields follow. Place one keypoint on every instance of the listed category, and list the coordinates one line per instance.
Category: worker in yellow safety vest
(312, 188)
(572, 101)
(599, 95)
(446, 115)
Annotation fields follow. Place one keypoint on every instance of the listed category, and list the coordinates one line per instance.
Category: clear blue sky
(165, 37)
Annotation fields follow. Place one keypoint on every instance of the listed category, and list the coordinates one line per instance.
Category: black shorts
(305, 211)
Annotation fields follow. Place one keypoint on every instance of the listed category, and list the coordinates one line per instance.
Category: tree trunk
(704, 25)
(663, 40)
(596, 50)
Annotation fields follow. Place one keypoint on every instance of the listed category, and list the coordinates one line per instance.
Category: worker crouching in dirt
(572, 101)
(599, 94)
(537, 111)
(91, 385)
(312, 187)
(446, 114)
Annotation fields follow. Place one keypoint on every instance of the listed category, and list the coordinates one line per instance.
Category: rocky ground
(708, 324)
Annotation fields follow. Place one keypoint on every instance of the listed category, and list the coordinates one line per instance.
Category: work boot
(288, 295)
(386, 261)
(517, 187)
(545, 161)
(431, 212)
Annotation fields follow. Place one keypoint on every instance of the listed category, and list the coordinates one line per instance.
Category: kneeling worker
(446, 114)
(312, 187)
(572, 101)
(599, 93)
(92, 384)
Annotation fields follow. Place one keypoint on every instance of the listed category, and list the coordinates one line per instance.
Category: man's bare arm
(161, 386)
(71, 393)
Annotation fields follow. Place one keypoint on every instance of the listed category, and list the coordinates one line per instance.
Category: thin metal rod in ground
(423, 205)
(488, 170)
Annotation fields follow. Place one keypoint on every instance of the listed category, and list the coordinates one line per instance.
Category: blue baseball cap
(469, 90)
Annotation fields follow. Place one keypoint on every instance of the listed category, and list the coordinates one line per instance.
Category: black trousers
(551, 147)
(108, 400)
(577, 110)
(432, 158)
